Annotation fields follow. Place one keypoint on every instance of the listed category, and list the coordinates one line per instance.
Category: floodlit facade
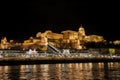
(4, 43)
(50, 35)
(66, 39)
(93, 38)
(70, 39)
(116, 42)
(38, 42)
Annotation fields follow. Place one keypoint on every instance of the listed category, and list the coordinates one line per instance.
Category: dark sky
(20, 20)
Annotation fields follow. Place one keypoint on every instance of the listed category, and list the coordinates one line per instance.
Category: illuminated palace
(65, 39)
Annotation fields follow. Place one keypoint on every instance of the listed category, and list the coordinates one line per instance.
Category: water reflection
(71, 71)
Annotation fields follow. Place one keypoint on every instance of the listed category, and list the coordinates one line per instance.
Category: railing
(54, 49)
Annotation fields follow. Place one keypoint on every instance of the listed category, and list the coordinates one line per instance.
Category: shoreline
(23, 61)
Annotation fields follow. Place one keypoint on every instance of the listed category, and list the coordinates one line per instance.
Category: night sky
(20, 20)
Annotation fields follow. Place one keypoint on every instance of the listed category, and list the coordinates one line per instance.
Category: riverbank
(49, 60)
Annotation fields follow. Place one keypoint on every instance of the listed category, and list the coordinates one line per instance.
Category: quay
(50, 60)
(33, 57)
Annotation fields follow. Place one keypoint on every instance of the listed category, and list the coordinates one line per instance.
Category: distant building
(69, 34)
(116, 42)
(70, 39)
(66, 39)
(4, 43)
(39, 42)
(50, 35)
(94, 38)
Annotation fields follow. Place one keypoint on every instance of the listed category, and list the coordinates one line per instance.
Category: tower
(81, 33)
(4, 43)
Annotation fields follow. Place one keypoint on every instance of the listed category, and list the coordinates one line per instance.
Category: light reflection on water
(70, 71)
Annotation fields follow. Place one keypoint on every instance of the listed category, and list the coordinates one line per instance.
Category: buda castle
(66, 39)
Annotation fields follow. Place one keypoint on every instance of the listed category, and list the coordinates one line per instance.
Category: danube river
(62, 71)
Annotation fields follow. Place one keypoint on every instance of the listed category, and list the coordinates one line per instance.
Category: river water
(69, 71)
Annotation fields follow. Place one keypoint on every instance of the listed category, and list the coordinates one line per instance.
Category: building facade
(66, 39)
